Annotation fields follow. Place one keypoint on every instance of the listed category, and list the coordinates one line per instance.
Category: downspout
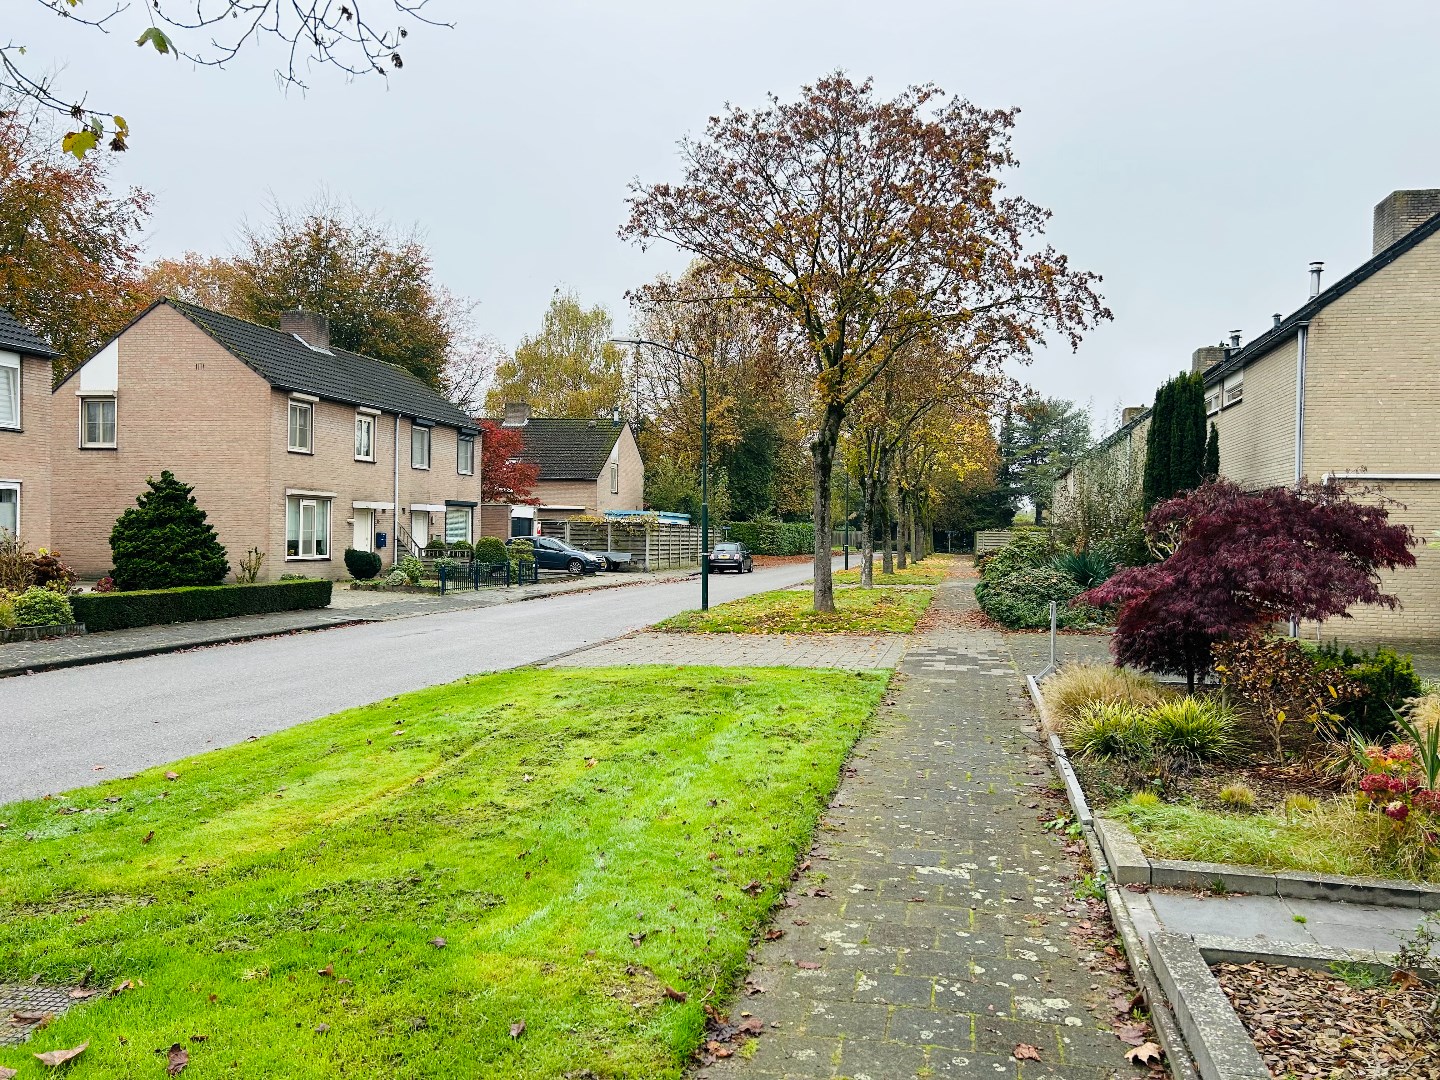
(395, 539)
(1302, 341)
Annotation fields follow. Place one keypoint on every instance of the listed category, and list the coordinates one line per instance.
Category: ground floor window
(9, 510)
(457, 524)
(307, 528)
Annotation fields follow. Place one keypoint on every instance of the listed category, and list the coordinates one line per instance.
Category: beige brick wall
(167, 367)
(580, 493)
(1257, 434)
(25, 454)
(632, 476)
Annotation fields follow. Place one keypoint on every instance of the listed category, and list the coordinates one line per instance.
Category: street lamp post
(704, 462)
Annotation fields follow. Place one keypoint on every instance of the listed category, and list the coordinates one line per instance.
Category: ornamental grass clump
(1111, 729)
(1237, 797)
(1074, 686)
(1193, 729)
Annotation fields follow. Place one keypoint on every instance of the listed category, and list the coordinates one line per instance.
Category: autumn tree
(1242, 560)
(209, 281)
(307, 34)
(506, 476)
(570, 368)
(865, 224)
(69, 244)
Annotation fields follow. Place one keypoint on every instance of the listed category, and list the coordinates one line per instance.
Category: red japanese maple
(1244, 559)
(505, 477)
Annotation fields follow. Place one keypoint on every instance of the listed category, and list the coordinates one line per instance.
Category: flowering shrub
(1400, 782)
(50, 572)
(105, 584)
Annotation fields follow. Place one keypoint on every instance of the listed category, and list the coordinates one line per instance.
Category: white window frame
(15, 486)
(614, 478)
(86, 443)
(415, 430)
(315, 503)
(13, 362)
(1234, 390)
(291, 443)
(1213, 398)
(367, 422)
(460, 465)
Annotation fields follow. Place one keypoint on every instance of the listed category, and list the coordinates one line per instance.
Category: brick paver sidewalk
(932, 929)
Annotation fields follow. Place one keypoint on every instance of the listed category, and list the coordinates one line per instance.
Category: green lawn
(930, 571)
(580, 840)
(790, 611)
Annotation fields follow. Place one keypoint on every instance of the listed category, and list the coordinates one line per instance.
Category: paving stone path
(848, 651)
(931, 932)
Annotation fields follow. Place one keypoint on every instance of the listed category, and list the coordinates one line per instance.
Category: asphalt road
(56, 727)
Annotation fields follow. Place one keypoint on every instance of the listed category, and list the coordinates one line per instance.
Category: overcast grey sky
(1198, 155)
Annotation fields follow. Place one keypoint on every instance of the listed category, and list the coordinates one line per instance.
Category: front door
(364, 530)
(420, 527)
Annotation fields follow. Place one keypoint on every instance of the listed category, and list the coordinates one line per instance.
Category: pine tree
(1212, 453)
(164, 541)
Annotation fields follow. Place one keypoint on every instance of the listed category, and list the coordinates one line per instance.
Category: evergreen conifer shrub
(164, 540)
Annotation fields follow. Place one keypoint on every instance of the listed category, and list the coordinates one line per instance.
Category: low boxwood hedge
(152, 607)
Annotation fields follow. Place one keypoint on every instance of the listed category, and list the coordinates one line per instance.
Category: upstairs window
(97, 422)
(302, 417)
(419, 447)
(9, 390)
(364, 437)
(614, 478)
(1235, 389)
(1212, 401)
(466, 463)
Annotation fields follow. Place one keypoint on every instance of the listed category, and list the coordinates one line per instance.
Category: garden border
(41, 633)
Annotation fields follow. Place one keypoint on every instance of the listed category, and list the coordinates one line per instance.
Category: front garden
(536, 873)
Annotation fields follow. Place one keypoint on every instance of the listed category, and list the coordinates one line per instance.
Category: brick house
(587, 466)
(25, 378)
(1348, 386)
(294, 447)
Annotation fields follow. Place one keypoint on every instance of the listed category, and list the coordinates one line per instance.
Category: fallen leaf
(7, 1074)
(1406, 980)
(328, 971)
(199, 1038)
(80, 993)
(55, 1058)
(591, 762)
(1026, 1052)
(1134, 1034)
(176, 1058)
(675, 995)
(172, 776)
(774, 934)
(30, 1018)
(321, 1029)
(807, 965)
(754, 888)
(438, 942)
(636, 939)
(1147, 1053)
(750, 1026)
(121, 987)
(517, 1029)
(148, 837)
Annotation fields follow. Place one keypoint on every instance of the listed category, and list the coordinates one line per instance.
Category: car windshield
(729, 549)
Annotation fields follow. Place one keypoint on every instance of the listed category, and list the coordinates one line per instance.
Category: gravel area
(1315, 1024)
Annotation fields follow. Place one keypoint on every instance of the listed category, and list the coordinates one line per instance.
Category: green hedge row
(774, 537)
(152, 607)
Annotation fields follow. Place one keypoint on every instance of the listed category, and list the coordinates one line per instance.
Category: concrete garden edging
(41, 633)
(1177, 1055)
(1222, 1048)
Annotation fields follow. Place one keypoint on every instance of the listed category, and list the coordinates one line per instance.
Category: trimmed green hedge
(152, 607)
(774, 537)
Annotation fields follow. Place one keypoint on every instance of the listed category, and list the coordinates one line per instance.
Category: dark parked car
(553, 554)
(730, 556)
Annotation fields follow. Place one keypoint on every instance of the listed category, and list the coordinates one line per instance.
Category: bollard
(442, 580)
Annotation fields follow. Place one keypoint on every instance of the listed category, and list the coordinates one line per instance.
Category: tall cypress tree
(1212, 453)
(1175, 444)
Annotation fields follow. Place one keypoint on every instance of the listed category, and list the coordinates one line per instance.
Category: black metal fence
(478, 575)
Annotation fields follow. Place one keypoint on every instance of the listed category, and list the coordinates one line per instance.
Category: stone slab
(1128, 864)
(1219, 1043)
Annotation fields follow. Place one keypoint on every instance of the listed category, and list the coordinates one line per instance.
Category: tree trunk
(904, 539)
(822, 461)
(868, 502)
(888, 561)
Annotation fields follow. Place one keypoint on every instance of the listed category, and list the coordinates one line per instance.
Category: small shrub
(1237, 797)
(462, 545)
(15, 565)
(411, 567)
(434, 547)
(490, 550)
(42, 607)
(1021, 600)
(1384, 682)
(164, 540)
(105, 584)
(397, 577)
(1074, 686)
(1086, 568)
(1145, 800)
(7, 610)
(450, 566)
(1295, 805)
(50, 572)
(363, 565)
(1027, 549)
(248, 572)
(297, 577)
(1284, 682)
(1111, 730)
(1193, 728)
(1402, 782)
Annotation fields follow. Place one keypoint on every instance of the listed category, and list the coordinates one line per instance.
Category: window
(307, 528)
(364, 437)
(614, 478)
(457, 524)
(97, 422)
(301, 424)
(467, 456)
(1212, 401)
(9, 390)
(419, 447)
(1234, 389)
(9, 510)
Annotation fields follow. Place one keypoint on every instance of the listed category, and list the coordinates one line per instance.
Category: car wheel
(575, 566)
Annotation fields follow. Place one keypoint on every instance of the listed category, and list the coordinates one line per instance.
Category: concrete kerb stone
(1167, 1027)
(1217, 877)
(1218, 949)
(1128, 864)
(1222, 1048)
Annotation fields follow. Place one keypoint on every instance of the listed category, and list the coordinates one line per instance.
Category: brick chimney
(1130, 413)
(1402, 212)
(1207, 356)
(310, 327)
(517, 414)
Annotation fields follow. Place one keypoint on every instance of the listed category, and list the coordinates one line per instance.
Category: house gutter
(395, 527)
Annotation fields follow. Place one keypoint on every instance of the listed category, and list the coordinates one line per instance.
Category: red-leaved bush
(1244, 559)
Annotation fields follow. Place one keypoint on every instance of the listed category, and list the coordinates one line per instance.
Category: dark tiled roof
(17, 338)
(1277, 335)
(285, 362)
(569, 449)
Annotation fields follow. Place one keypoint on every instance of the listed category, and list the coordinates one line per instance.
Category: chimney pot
(1235, 339)
(1316, 269)
(1130, 413)
(1402, 212)
(311, 327)
(1207, 356)
(1276, 317)
(517, 414)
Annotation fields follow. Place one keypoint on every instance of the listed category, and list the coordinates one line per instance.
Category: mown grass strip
(580, 840)
(790, 611)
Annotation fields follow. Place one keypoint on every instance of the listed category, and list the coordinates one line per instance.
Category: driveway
(78, 726)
